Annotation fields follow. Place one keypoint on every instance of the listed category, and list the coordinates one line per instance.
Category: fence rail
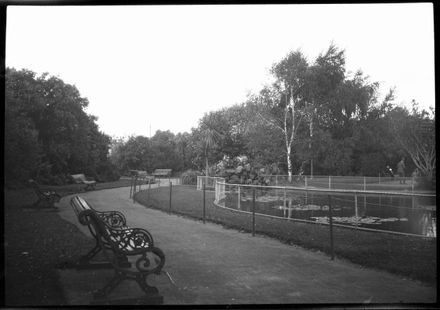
(381, 211)
(209, 182)
(346, 182)
(395, 212)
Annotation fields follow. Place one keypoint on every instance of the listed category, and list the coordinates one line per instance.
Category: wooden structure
(162, 173)
(81, 179)
(46, 199)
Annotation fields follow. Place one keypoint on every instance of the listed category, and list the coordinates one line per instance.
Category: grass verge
(407, 256)
(35, 242)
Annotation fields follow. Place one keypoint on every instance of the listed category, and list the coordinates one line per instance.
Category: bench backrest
(162, 172)
(79, 204)
(121, 241)
(78, 178)
(89, 217)
(114, 219)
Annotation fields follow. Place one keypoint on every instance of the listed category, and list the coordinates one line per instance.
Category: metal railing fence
(346, 182)
(380, 211)
(209, 182)
(357, 218)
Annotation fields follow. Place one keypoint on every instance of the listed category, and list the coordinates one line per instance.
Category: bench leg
(90, 187)
(110, 286)
(123, 261)
(46, 203)
(85, 259)
(142, 282)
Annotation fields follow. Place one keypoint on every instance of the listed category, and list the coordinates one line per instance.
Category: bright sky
(165, 66)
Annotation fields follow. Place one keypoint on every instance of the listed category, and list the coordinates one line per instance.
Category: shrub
(189, 177)
(107, 172)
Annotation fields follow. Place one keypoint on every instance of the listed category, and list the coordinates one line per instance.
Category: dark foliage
(48, 134)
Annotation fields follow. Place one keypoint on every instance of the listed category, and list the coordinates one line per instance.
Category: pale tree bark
(423, 156)
(420, 145)
(289, 131)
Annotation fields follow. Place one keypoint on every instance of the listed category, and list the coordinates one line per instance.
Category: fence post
(305, 180)
(329, 182)
(365, 183)
(131, 186)
(331, 226)
(239, 198)
(284, 202)
(356, 209)
(171, 190)
(253, 211)
(134, 187)
(149, 189)
(204, 203)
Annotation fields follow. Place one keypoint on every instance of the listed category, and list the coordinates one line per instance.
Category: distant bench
(81, 179)
(46, 199)
(118, 243)
(143, 175)
(162, 172)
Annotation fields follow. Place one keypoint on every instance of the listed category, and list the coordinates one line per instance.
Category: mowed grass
(407, 256)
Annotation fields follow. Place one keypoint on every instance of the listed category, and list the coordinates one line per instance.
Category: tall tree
(209, 138)
(415, 132)
(282, 105)
(68, 139)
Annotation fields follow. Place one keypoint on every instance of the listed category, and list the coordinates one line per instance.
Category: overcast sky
(165, 66)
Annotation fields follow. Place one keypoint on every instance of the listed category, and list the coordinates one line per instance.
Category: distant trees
(48, 134)
(314, 112)
(314, 118)
(415, 132)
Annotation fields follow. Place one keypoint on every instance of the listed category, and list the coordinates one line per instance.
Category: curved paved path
(212, 265)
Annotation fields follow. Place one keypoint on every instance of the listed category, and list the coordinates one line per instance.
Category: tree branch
(271, 123)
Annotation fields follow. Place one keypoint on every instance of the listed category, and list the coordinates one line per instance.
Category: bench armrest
(131, 241)
(139, 242)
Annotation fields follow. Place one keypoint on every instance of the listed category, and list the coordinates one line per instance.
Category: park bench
(81, 179)
(142, 175)
(130, 251)
(162, 172)
(46, 199)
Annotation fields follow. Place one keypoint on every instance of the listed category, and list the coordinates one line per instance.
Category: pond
(379, 212)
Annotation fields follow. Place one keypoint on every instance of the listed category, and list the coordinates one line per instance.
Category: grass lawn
(35, 241)
(407, 256)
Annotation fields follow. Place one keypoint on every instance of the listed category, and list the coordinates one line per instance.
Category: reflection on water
(428, 224)
(394, 213)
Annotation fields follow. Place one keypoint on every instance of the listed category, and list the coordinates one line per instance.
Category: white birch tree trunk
(289, 131)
